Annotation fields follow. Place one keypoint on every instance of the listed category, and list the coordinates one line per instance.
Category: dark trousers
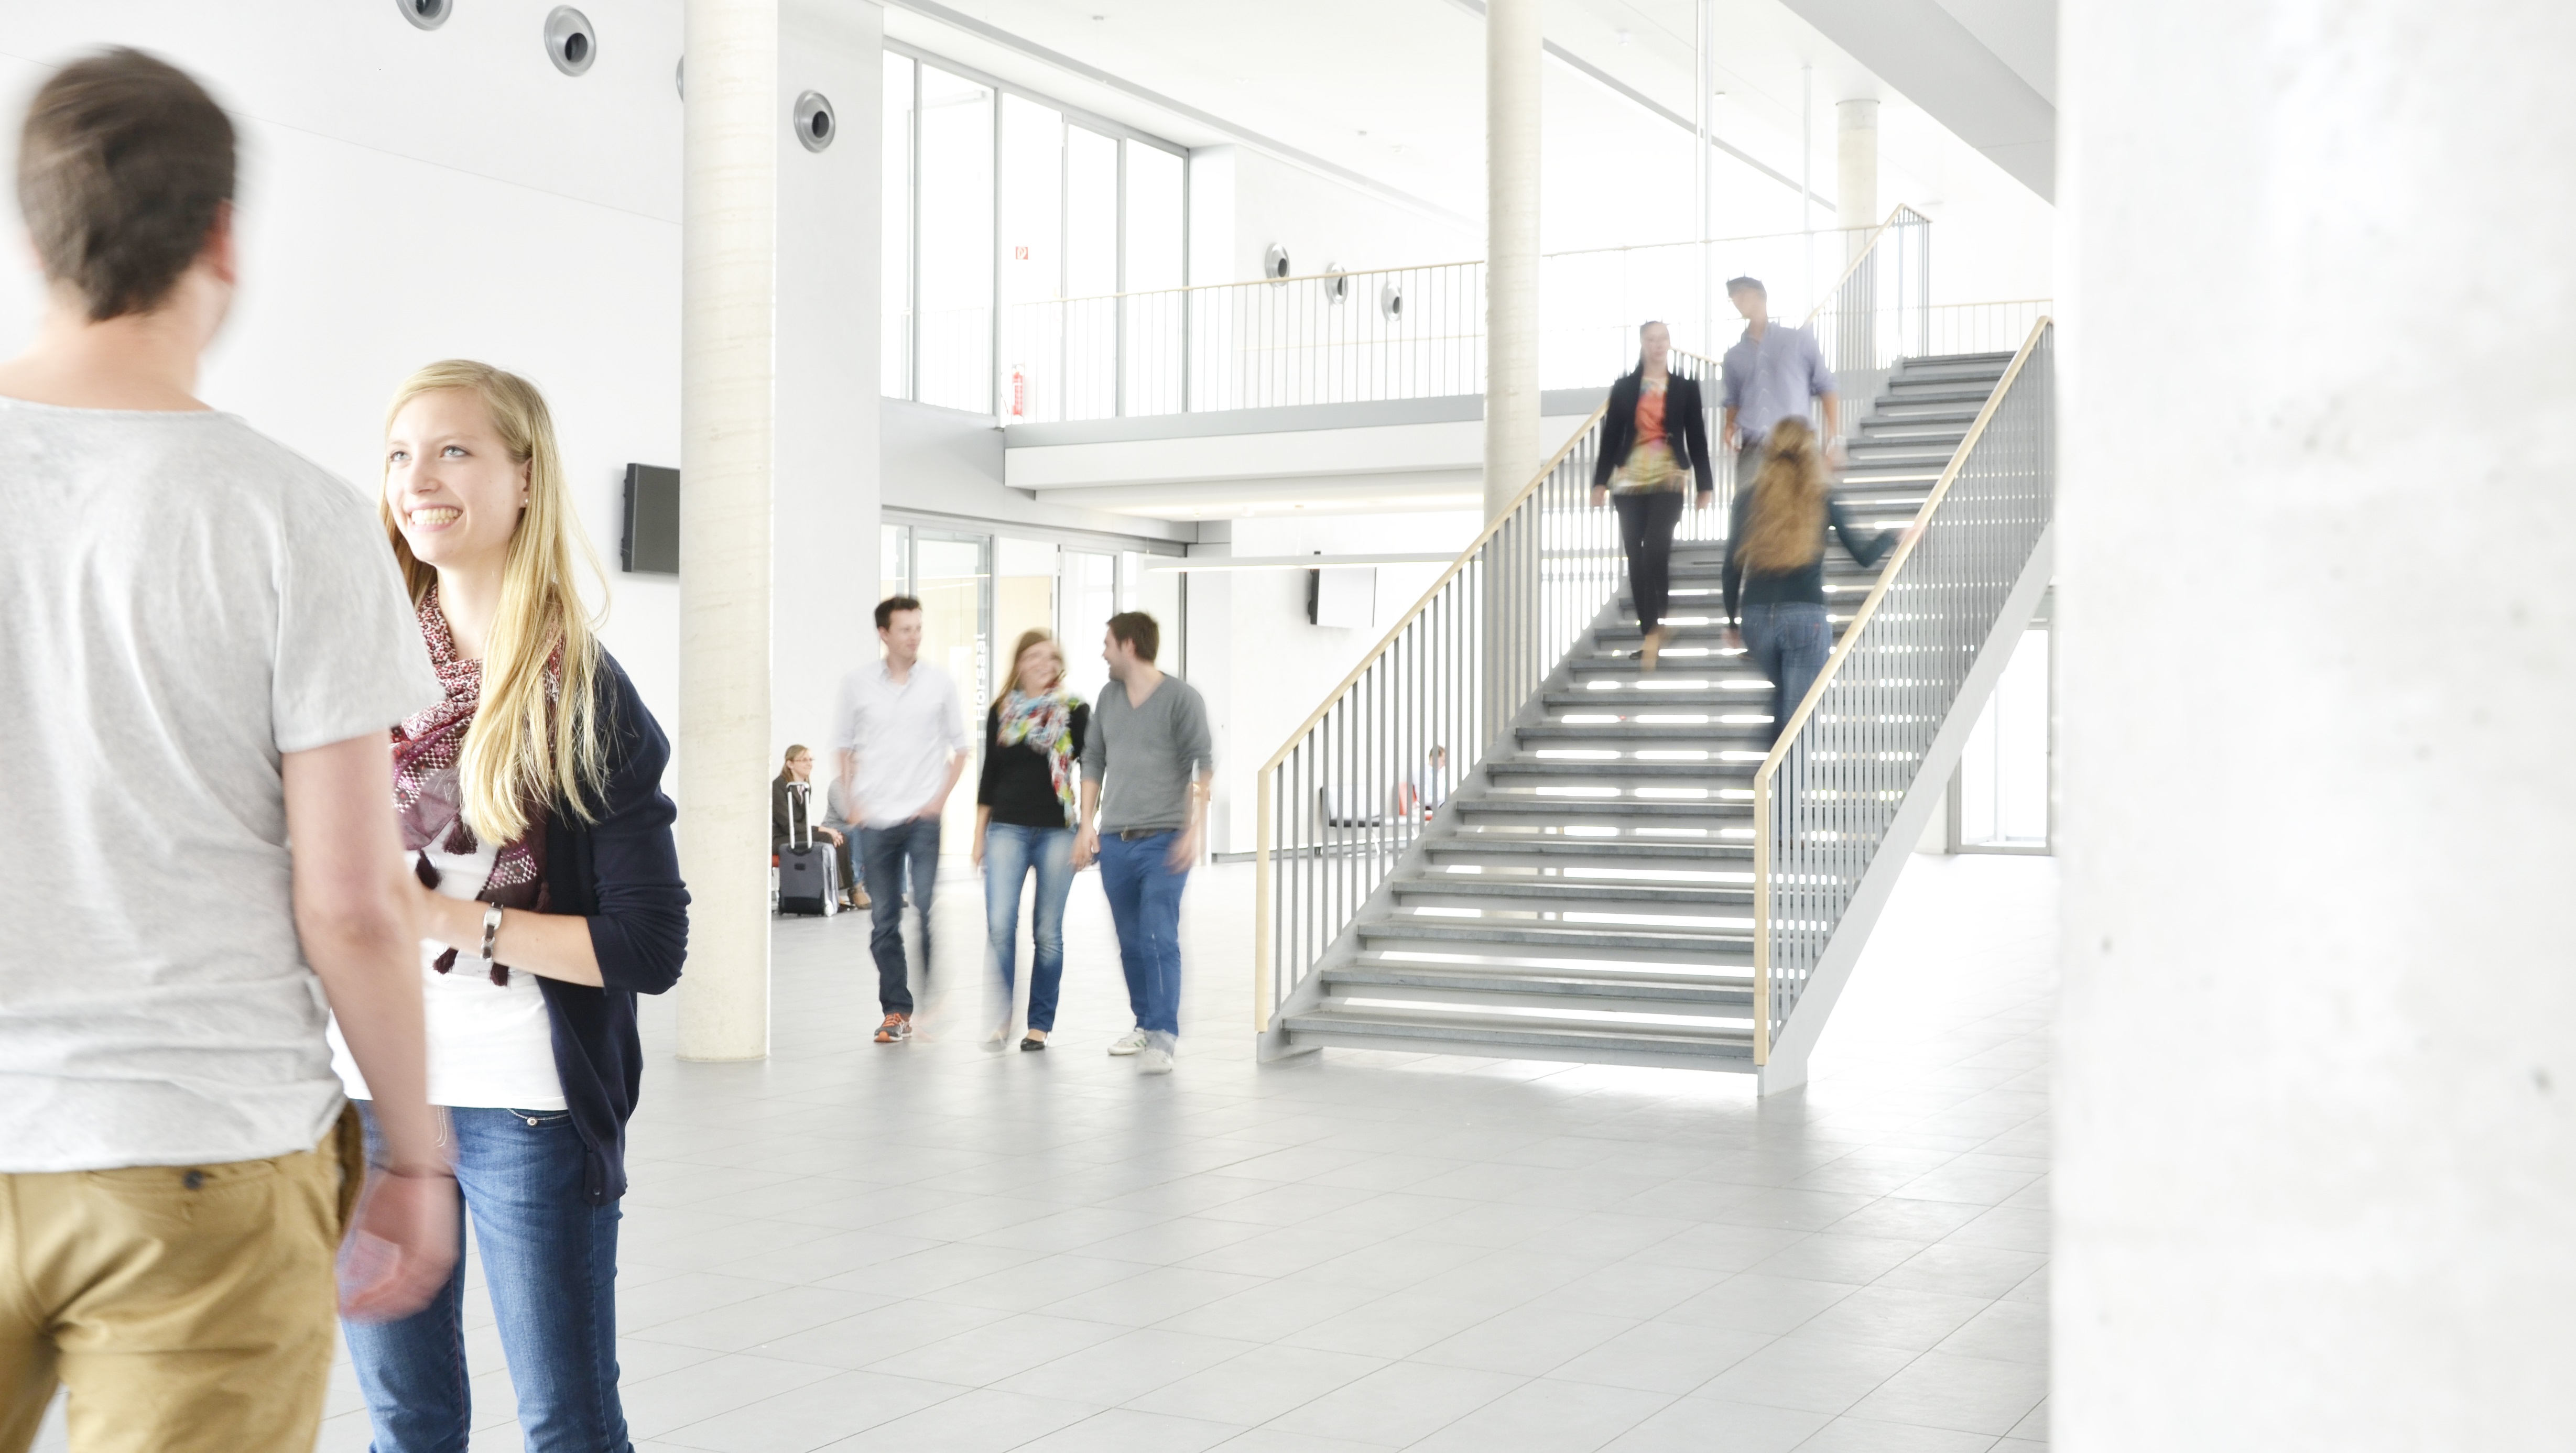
(1647, 519)
(550, 1267)
(884, 851)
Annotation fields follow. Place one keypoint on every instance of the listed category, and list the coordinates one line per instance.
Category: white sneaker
(1132, 1043)
(1154, 1062)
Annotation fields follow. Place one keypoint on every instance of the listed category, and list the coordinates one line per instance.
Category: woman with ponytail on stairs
(1775, 566)
(1654, 434)
(531, 808)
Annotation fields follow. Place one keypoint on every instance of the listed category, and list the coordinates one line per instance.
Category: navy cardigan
(621, 871)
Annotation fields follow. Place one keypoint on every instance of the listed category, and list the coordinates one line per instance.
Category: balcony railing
(1419, 332)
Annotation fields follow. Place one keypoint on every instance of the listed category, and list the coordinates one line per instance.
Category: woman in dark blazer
(1653, 435)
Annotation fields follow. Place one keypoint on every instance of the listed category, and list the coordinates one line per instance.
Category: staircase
(1626, 875)
(1590, 898)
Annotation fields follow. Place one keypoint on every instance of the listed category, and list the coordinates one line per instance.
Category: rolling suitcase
(809, 880)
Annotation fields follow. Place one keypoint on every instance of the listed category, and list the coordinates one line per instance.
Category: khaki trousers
(187, 1307)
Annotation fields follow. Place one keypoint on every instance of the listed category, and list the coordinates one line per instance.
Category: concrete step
(1624, 771)
(1669, 992)
(1527, 890)
(1495, 849)
(1512, 1036)
(1558, 939)
(1626, 735)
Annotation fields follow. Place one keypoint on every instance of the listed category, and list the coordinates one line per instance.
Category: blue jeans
(1010, 853)
(1145, 903)
(550, 1266)
(1787, 642)
(883, 851)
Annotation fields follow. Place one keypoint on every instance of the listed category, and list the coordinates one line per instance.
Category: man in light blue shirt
(1771, 373)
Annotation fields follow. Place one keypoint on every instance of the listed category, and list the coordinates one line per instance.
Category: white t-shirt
(489, 1044)
(181, 601)
(903, 732)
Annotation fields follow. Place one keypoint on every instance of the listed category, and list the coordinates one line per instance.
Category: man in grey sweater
(1146, 768)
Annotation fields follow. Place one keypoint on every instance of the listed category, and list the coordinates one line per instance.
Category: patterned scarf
(428, 797)
(1045, 723)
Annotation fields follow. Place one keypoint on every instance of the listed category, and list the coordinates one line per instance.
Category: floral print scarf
(1045, 723)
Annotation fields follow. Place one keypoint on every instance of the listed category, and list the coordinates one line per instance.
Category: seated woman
(530, 801)
(791, 819)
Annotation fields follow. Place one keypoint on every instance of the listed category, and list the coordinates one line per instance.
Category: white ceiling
(1392, 90)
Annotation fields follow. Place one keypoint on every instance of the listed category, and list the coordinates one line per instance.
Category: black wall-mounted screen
(652, 544)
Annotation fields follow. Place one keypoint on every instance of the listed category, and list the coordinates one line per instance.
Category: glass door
(952, 576)
(2002, 790)
(1087, 598)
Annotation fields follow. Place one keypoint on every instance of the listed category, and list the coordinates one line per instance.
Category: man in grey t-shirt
(1146, 766)
(202, 645)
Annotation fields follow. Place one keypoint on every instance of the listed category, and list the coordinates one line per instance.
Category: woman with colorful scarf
(1024, 811)
(531, 809)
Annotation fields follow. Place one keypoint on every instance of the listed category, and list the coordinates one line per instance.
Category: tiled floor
(944, 1247)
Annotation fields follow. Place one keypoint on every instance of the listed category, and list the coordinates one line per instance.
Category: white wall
(1262, 667)
(2316, 1146)
(1241, 201)
(824, 510)
(411, 195)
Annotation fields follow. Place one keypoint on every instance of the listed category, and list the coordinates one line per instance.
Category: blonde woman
(1775, 565)
(1024, 813)
(531, 806)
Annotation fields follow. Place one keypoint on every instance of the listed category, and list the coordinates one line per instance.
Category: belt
(1130, 834)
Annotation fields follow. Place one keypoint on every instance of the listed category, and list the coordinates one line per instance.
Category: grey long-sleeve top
(1144, 756)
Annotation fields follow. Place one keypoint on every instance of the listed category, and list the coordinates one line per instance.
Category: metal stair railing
(1337, 800)
(1823, 799)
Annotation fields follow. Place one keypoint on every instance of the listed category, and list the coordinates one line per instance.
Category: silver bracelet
(491, 929)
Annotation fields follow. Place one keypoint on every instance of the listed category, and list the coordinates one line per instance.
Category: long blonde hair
(528, 745)
(1784, 528)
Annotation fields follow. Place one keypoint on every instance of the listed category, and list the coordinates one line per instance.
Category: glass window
(956, 263)
(1089, 597)
(1153, 218)
(1154, 312)
(1024, 574)
(895, 369)
(1090, 339)
(1032, 257)
(894, 566)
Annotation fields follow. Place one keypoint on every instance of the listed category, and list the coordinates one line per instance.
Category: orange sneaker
(896, 1029)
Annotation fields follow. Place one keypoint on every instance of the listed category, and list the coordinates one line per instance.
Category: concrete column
(729, 163)
(1512, 48)
(829, 239)
(1856, 164)
(2316, 1045)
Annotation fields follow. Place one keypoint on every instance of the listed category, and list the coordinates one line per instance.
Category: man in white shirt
(903, 745)
(203, 632)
